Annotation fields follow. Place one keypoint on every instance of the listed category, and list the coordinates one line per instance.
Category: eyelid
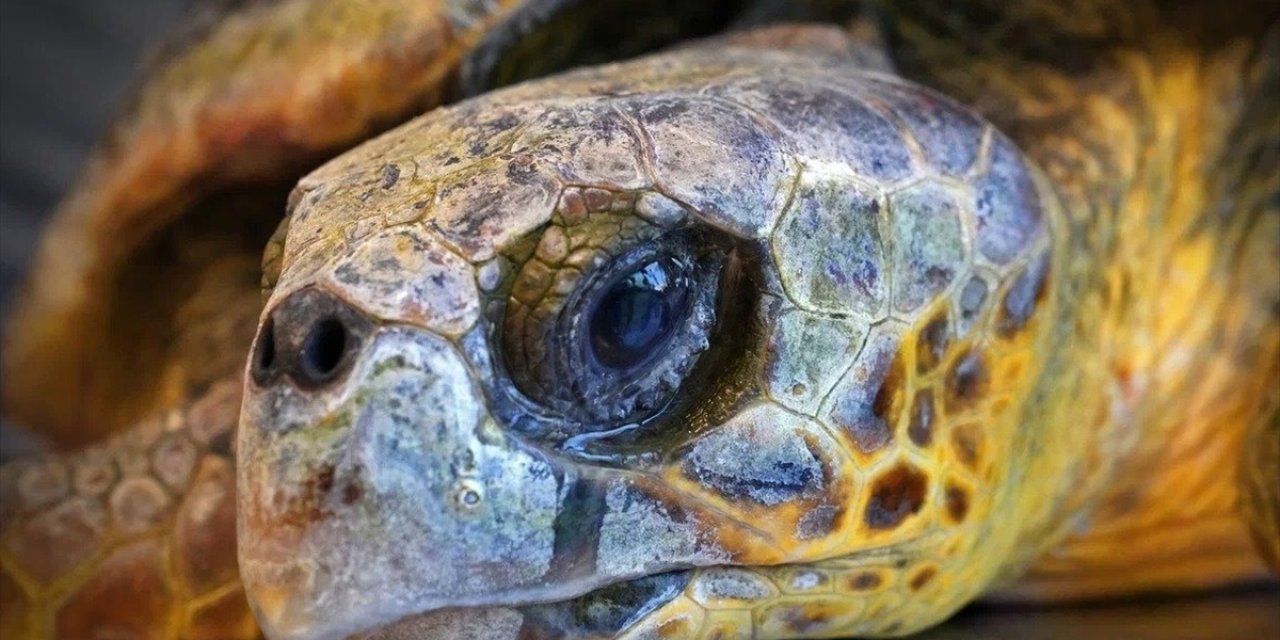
(546, 340)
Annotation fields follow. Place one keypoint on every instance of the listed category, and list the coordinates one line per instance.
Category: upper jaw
(289, 606)
(386, 495)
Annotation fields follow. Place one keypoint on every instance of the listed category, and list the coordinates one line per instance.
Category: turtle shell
(143, 289)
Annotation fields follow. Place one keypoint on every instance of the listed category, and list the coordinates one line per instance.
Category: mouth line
(602, 611)
(585, 609)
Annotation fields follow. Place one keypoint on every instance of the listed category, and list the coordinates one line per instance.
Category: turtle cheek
(395, 495)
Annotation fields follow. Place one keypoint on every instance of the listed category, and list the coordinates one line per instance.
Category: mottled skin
(950, 353)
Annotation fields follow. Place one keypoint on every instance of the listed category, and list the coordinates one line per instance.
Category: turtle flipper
(136, 535)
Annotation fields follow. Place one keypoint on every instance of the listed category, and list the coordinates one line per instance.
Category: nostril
(266, 353)
(309, 339)
(323, 348)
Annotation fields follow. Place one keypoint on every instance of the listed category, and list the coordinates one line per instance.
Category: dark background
(66, 66)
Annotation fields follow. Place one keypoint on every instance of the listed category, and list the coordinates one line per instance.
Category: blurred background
(67, 65)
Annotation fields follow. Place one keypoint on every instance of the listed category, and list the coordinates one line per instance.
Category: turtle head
(649, 347)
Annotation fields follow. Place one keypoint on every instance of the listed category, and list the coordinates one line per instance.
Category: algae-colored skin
(938, 351)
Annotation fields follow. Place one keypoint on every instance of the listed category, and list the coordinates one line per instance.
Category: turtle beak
(376, 487)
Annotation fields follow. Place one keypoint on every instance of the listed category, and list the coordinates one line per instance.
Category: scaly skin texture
(945, 360)
(134, 537)
(1160, 138)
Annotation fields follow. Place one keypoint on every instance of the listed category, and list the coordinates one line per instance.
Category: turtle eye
(638, 314)
(603, 323)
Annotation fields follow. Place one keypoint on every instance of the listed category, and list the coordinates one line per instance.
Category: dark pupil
(638, 313)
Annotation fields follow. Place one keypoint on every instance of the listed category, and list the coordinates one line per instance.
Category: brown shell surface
(894, 376)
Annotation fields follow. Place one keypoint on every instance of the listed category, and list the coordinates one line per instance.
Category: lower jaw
(602, 613)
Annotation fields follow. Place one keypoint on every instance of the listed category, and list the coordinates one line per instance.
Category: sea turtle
(804, 330)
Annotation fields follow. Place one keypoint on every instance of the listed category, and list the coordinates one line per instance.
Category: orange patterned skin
(1159, 132)
(952, 352)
